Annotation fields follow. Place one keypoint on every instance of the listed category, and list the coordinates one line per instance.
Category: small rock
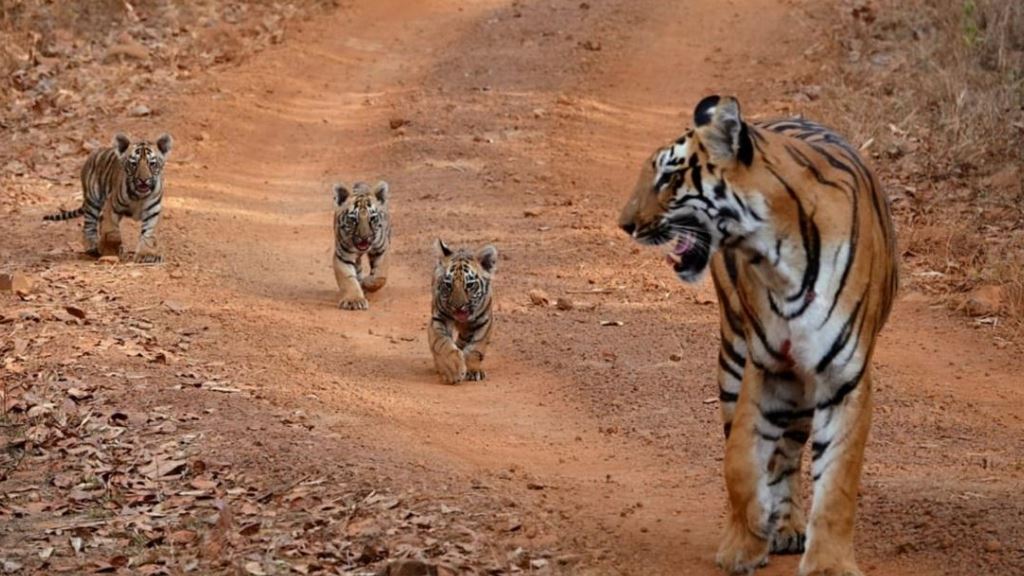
(396, 123)
(534, 486)
(532, 212)
(174, 306)
(514, 525)
(75, 311)
(564, 304)
(16, 282)
(78, 394)
(591, 45)
(675, 357)
(985, 301)
(538, 297)
(993, 545)
(538, 563)
(141, 110)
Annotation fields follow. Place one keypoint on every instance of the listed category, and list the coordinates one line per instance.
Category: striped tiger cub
(797, 234)
(124, 180)
(362, 227)
(461, 321)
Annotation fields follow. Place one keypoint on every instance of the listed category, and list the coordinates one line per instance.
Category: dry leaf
(159, 468)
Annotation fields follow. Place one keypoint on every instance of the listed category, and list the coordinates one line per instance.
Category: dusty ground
(218, 414)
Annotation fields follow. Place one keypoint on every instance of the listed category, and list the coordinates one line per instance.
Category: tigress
(461, 320)
(798, 236)
(125, 180)
(362, 226)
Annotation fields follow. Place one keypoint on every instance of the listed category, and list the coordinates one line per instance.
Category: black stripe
(767, 435)
(731, 352)
(782, 475)
(842, 338)
(818, 449)
(844, 390)
(783, 418)
(724, 364)
(797, 435)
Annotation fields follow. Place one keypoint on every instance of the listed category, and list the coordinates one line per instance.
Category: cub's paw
(451, 368)
(475, 375)
(741, 551)
(371, 284)
(354, 304)
(142, 258)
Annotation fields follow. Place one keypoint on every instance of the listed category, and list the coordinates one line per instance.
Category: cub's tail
(66, 214)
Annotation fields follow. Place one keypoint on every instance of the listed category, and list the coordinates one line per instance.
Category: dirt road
(523, 124)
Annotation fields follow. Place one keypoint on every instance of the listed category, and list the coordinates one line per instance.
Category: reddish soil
(601, 442)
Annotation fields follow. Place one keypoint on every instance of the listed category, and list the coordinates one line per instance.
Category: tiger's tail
(65, 214)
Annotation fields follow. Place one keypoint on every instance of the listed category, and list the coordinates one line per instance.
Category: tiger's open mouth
(362, 245)
(142, 186)
(689, 252)
(461, 314)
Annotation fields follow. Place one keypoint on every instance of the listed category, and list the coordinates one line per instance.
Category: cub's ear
(164, 143)
(382, 191)
(720, 128)
(121, 143)
(340, 194)
(443, 250)
(488, 258)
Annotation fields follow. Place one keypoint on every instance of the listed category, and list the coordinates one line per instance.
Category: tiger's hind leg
(346, 273)
(841, 423)
(110, 231)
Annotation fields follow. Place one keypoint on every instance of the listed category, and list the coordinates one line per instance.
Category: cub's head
(143, 162)
(690, 197)
(360, 215)
(462, 281)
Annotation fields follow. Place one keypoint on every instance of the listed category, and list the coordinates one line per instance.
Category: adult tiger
(461, 320)
(800, 243)
(124, 180)
(362, 227)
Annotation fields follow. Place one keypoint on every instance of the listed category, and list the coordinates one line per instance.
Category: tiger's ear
(720, 128)
(164, 143)
(121, 143)
(382, 191)
(340, 194)
(442, 249)
(488, 258)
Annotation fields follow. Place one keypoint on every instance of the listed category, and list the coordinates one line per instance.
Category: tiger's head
(462, 281)
(697, 193)
(360, 215)
(143, 162)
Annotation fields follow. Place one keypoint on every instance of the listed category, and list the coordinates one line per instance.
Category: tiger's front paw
(451, 367)
(354, 304)
(475, 375)
(830, 567)
(741, 552)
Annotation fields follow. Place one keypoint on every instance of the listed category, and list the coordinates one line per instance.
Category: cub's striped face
(684, 201)
(462, 282)
(143, 163)
(360, 216)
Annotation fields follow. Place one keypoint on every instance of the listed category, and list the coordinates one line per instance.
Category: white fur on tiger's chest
(805, 329)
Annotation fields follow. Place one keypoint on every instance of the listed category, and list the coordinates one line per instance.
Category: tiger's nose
(628, 227)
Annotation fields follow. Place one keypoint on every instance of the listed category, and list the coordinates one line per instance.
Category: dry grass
(936, 90)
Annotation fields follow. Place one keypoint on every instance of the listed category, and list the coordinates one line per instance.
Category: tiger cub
(124, 180)
(461, 322)
(361, 227)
